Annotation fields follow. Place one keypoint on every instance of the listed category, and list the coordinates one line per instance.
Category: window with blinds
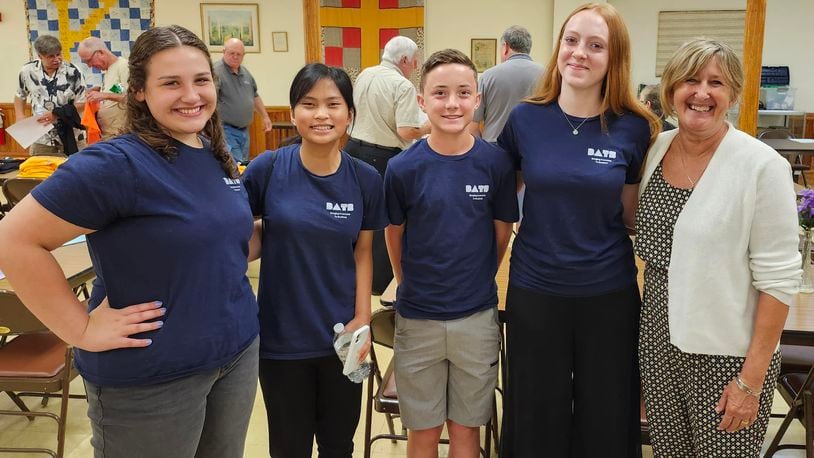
(678, 27)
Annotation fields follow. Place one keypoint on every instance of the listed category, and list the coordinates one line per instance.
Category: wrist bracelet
(746, 388)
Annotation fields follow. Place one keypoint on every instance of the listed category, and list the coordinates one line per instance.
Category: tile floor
(18, 431)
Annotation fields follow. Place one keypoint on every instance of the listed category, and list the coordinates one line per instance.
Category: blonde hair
(693, 56)
(617, 94)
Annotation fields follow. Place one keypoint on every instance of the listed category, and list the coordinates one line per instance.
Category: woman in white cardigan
(717, 229)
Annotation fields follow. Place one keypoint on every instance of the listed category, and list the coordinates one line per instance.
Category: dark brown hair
(141, 122)
(443, 57)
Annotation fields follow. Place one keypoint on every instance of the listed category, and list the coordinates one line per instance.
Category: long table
(10, 174)
(787, 146)
(75, 263)
(799, 328)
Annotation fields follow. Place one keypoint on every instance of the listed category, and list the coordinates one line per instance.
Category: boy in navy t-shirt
(451, 202)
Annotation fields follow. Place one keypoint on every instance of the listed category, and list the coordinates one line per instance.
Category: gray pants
(203, 415)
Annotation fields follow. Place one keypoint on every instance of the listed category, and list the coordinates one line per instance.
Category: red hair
(617, 93)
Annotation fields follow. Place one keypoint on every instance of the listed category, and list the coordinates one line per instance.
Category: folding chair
(385, 398)
(33, 362)
(795, 388)
(16, 188)
(644, 426)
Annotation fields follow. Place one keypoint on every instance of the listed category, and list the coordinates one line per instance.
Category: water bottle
(342, 344)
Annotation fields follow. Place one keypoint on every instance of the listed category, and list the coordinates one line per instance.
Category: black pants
(309, 397)
(378, 158)
(573, 382)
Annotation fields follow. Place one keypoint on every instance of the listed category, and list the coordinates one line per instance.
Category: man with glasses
(56, 91)
(112, 94)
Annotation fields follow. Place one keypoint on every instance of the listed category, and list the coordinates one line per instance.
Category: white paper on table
(28, 130)
(802, 140)
(79, 239)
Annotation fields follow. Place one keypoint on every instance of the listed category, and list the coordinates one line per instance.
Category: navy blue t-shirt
(448, 205)
(308, 269)
(171, 231)
(573, 241)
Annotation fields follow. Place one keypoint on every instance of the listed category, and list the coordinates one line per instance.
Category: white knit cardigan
(736, 236)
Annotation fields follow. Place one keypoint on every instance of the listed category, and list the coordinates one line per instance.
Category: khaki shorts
(446, 369)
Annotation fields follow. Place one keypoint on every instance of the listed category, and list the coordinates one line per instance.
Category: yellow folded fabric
(40, 166)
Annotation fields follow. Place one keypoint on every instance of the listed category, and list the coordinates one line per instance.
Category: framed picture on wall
(222, 21)
(279, 41)
(484, 53)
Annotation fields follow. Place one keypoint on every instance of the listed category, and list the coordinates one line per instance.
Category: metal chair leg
(391, 427)
(19, 403)
(781, 431)
(488, 444)
(369, 413)
(808, 422)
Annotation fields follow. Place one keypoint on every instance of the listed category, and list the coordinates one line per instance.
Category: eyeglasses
(87, 61)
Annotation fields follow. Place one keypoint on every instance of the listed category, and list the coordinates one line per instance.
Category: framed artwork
(222, 21)
(279, 41)
(484, 53)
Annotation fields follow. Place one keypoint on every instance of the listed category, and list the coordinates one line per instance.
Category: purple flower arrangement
(805, 209)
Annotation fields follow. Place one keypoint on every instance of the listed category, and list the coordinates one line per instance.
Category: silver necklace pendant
(575, 130)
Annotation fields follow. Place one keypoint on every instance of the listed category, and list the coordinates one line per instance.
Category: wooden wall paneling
(313, 36)
(259, 140)
(10, 147)
(262, 141)
(752, 55)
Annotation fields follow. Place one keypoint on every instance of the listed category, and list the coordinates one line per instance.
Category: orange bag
(89, 121)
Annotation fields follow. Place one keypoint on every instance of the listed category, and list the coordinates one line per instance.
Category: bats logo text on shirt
(601, 156)
(339, 210)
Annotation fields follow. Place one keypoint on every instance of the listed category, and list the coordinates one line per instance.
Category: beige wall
(449, 23)
(273, 71)
(453, 23)
(788, 40)
(15, 47)
(787, 37)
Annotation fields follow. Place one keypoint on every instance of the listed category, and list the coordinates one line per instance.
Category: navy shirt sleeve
(507, 140)
(255, 177)
(375, 214)
(641, 143)
(394, 194)
(504, 206)
(92, 188)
